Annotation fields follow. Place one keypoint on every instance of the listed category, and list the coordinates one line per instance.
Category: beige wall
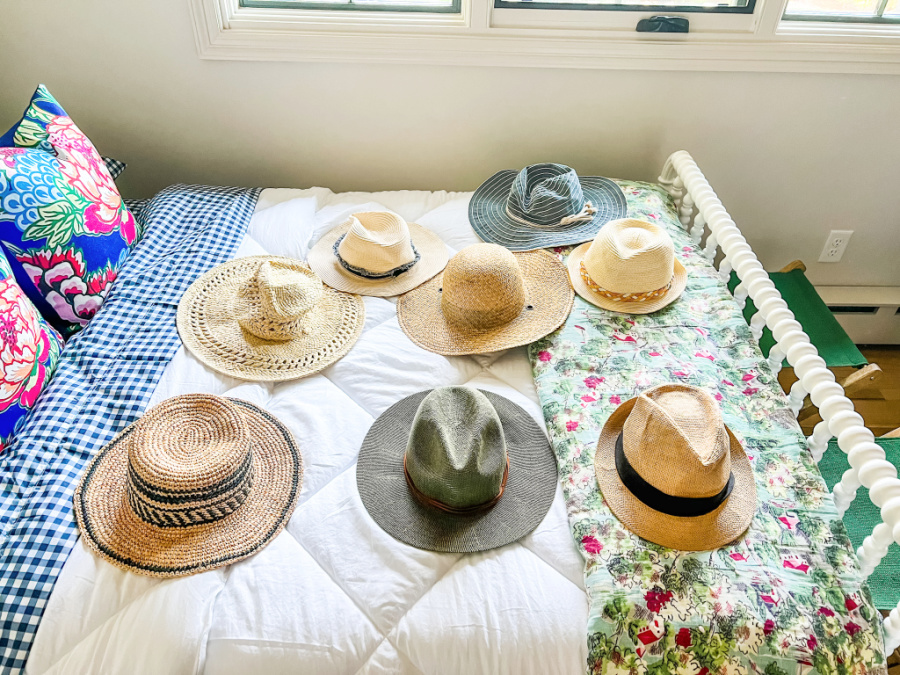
(791, 155)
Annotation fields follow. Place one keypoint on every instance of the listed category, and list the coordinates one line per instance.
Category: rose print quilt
(788, 598)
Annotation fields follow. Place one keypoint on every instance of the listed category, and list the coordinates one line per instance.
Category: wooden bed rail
(689, 188)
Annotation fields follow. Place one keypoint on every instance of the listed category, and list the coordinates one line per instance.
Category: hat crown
(281, 295)
(544, 194)
(483, 287)
(456, 453)
(377, 241)
(675, 439)
(190, 462)
(631, 256)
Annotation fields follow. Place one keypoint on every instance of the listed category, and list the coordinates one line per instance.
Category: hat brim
(114, 532)
(431, 247)
(210, 330)
(698, 533)
(526, 498)
(549, 299)
(573, 263)
(487, 214)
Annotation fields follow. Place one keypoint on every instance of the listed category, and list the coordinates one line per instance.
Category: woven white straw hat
(630, 267)
(198, 482)
(487, 299)
(267, 318)
(673, 473)
(456, 469)
(378, 253)
(543, 205)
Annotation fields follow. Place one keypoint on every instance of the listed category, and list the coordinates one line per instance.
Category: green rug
(861, 518)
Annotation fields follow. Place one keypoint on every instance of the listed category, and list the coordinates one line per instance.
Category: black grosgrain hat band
(684, 507)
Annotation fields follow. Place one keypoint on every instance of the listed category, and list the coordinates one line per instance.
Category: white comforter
(333, 593)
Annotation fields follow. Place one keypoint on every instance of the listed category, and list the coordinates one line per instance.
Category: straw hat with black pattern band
(198, 482)
(378, 253)
(457, 470)
(267, 318)
(673, 473)
(543, 205)
(487, 299)
(630, 267)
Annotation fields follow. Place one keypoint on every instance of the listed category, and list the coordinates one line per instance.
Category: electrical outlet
(835, 246)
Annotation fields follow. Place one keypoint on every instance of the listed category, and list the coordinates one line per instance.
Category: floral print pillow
(29, 352)
(63, 226)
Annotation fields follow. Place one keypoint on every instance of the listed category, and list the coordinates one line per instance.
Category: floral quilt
(788, 598)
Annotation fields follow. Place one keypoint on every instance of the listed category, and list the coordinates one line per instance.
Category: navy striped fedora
(543, 205)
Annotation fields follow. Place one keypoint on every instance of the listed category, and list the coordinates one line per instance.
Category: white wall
(791, 155)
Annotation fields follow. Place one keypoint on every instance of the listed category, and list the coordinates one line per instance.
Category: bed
(335, 594)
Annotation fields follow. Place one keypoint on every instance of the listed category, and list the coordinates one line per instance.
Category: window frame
(481, 34)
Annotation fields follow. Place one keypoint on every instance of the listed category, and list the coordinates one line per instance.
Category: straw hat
(267, 318)
(198, 482)
(457, 470)
(378, 253)
(487, 299)
(673, 473)
(630, 267)
(543, 205)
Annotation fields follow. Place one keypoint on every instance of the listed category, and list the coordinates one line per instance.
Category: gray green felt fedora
(543, 205)
(456, 470)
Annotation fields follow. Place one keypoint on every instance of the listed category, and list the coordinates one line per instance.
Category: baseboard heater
(869, 314)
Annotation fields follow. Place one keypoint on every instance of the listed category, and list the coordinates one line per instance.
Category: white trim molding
(226, 31)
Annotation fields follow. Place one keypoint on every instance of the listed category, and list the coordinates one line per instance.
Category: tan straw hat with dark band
(488, 299)
(378, 253)
(267, 318)
(456, 469)
(673, 473)
(198, 482)
(630, 267)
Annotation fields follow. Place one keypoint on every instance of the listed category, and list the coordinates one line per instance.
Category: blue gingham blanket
(105, 377)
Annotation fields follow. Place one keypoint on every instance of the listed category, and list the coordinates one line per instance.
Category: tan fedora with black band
(673, 473)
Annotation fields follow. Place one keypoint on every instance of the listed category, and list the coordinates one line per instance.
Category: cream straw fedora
(630, 267)
(198, 482)
(673, 473)
(456, 469)
(267, 318)
(487, 299)
(378, 253)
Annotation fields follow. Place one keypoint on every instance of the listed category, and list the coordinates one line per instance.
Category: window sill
(225, 31)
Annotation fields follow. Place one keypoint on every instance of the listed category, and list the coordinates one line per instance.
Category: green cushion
(862, 517)
(832, 342)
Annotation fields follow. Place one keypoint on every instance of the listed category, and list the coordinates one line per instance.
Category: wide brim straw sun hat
(215, 311)
(527, 495)
(204, 438)
(505, 208)
(718, 527)
(629, 267)
(500, 299)
(429, 246)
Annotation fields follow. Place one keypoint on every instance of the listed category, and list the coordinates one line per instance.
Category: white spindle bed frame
(689, 188)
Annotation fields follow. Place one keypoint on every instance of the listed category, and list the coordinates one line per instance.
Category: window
(674, 6)
(850, 11)
(451, 6)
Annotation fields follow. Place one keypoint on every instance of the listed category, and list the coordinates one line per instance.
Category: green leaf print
(29, 134)
(57, 223)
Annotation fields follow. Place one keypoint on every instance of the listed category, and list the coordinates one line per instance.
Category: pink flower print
(789, 520)
(826, 611)
(705, 355)
(686, 249)
(655, 354)
(631, 321)
(748, 376)
(850, 603)
(718, 396)
(8, 156)
(683, 638)
(730, 384)
(656, 600)
(544, 355)
(615, 400)
(591, 545)
(22, 345)
(768, 627)
(812, 643)
(627, 338)
(586, 398)
(592, 381)
(749, 391)
(571, 425)
(852, 628)
(653, 215)
(795, 563)
(740, 557)
(770, 598)
(702, 331)
(680, 373)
